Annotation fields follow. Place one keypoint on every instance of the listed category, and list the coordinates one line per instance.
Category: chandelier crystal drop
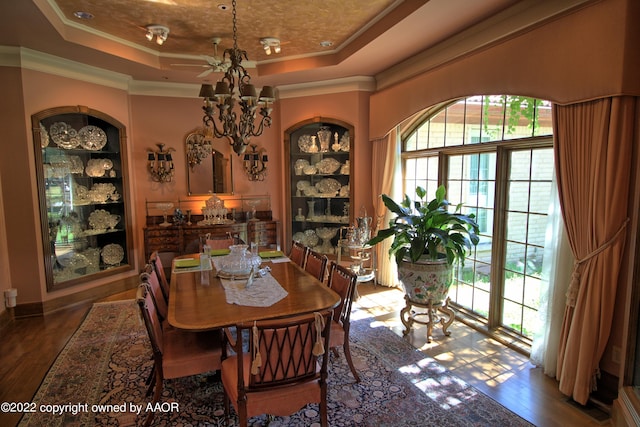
(235, 88)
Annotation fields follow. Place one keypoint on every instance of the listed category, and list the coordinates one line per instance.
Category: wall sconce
(160, 164)
(255, 163)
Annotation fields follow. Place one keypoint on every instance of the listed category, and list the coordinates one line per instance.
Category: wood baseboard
(41, 308)
(6, 317)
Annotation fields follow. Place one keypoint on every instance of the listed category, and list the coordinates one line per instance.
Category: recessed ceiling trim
(347, 84)
(173, 90)
(50, 64)
(75, 32)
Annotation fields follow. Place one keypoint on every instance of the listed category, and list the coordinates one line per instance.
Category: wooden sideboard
(185, 239)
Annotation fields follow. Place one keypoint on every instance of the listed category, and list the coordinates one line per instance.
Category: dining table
(198, 301)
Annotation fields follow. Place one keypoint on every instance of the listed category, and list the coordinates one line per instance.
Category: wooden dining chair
(298, 253)
(343, 282)
(179, 353)
(279, 371)
(156, 262)
(150, 278)
(316, 264)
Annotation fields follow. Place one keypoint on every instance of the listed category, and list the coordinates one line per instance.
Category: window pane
(537, 229)
(492, 118)
(520, 165)
(423, 136)
(519, 118)
(473, 120)
(455, 124)
(421, 168)
(542, 164)
(544, 124)
(515, 257)
(512, 317)
(518, 196)
(533, 266)
(410, 169)
(455, 167)
(410, 143)
(517, 226)
(432, 168)
(540, 193)
(436, 129)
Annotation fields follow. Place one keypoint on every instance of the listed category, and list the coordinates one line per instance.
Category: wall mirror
(209, 169)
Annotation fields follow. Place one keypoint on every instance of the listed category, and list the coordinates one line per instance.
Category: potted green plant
(428, 239)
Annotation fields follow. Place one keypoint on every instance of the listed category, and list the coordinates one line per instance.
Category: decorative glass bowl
(239, 262)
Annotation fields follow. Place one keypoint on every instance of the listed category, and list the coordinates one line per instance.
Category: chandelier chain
(235, 29)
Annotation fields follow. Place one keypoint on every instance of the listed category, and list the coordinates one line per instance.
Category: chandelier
(235, 87)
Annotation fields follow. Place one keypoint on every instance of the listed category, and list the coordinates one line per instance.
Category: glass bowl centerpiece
(239, 262)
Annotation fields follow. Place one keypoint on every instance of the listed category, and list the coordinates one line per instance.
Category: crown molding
(173, 90)
(42, 62)
(347, 84)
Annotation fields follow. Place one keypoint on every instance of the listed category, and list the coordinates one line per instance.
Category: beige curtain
(593, 158)
(384, 168)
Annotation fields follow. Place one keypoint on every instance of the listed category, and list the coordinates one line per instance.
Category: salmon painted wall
(169, 120)
(13, 144)
(351, 107)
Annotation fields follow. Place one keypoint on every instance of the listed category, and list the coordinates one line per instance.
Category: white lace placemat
(264, 292)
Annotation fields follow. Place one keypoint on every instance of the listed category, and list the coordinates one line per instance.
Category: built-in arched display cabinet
(319, 182)
(80, 157)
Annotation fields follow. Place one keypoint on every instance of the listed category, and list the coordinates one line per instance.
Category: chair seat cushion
(190, 353)
(281, 401)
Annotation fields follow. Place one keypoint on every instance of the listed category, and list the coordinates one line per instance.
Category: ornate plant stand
(409, 316)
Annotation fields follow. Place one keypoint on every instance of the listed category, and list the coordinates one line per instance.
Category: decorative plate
(112, 254)
(44, 136)
(64, 135)
(301, 185)
(328, 185)
(304, 142)
(92, 138)
(99, 219)
(328, 166)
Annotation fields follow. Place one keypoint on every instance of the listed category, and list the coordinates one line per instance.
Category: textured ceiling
(368, 36)
(300, 24)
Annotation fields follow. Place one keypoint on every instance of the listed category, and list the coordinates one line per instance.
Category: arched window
(495, 155)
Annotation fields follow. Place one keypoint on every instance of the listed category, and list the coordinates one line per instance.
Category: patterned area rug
(99, 379)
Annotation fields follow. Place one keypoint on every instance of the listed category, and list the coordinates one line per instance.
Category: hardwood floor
(29, 347)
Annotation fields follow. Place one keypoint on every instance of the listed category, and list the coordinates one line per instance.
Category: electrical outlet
(615, 355)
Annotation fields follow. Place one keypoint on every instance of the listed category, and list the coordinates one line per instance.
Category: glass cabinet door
(80, 160)
(319, 184)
